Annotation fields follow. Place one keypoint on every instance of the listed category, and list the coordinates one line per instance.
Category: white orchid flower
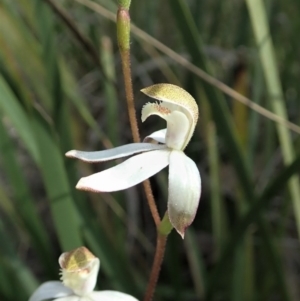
(79, 269)
(180, 111)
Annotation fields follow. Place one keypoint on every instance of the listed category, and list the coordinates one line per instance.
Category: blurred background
(61, 88)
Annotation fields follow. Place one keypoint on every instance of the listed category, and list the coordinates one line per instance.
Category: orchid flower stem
(123, 35)
(151, 202)
(125, 56)
(156, 266)
(163, 230)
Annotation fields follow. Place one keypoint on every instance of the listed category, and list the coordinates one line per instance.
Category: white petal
(127, 174)
(159, 136)
(111, 296)
(49, 290)
(184, 191)
(114, 153)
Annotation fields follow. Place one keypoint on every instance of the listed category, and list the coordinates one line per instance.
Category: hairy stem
(125, 56)
(123, 34)
(156, 266)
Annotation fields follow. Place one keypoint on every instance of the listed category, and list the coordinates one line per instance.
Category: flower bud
(124, 3)
(123, 29)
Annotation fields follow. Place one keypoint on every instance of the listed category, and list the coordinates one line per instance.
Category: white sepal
(184, 191)
(127, 174)
(114, 153)
(50, 290)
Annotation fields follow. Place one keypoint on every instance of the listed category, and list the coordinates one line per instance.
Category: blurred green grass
(61, 88)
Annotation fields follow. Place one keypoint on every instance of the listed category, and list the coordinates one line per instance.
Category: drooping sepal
(184, 191)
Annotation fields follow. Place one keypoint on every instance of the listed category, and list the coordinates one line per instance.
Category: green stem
(123, 34)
